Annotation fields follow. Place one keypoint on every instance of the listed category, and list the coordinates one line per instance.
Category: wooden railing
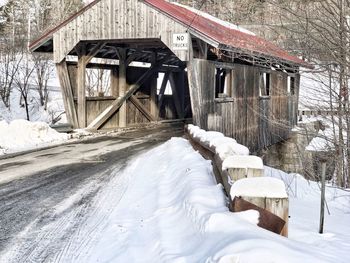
(232, 163)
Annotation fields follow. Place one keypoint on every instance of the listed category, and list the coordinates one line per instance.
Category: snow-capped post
(231, 159)
(267, 193)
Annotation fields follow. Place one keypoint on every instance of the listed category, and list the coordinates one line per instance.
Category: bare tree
(22, 82)
(43, 73)
(98, 82)
(321, 33)
(10, 61)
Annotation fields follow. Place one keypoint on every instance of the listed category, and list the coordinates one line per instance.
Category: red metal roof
(207, 27)
(222, 34)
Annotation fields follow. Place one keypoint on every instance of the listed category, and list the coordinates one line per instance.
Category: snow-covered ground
(304, 202)
(21, 135)
(168, 208)
(173, 211)
(17, 110)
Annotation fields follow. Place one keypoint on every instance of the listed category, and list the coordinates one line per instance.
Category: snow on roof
(216, 20)
(243, 161)
(259, 187)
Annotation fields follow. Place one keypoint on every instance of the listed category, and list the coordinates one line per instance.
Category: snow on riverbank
(20, 135)
(173, 211)
(304, 209)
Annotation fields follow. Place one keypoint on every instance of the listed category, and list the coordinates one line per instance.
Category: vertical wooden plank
(81, 77)
(176, 96)
(296, 96)
(66, 87)
(153, 89)
(180, 84)
(122, 87)
(72, 71)
(201, 83)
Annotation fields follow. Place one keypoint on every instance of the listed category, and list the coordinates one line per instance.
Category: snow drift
(20, 135)
(173, 211)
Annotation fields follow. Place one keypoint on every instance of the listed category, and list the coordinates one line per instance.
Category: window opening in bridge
(224, 83)
(168, 90)
(264, 84)
(98, 82)
(291, 85)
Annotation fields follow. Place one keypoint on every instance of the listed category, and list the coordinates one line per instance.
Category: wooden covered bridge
(222, 77)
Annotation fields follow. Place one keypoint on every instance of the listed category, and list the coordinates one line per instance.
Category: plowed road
(50, 200)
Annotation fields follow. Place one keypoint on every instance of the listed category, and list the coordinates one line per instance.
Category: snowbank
(173, 211)
(304, 209)
(22, 135)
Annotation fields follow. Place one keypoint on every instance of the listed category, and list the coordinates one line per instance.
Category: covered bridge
(224, 78)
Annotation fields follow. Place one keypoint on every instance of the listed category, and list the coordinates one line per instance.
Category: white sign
(180, 41)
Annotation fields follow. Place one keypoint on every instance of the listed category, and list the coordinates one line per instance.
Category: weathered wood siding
(117, 20)
(95, 105)
(202, 90)
(252, 120)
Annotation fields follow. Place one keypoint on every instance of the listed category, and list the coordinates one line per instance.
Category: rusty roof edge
(49, 33)
(302, 63)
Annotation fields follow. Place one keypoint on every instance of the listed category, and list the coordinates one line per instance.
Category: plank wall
(117, 20)
(251, 119)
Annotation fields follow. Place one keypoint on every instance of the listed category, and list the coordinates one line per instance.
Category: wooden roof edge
(299, 63)
(49, 33)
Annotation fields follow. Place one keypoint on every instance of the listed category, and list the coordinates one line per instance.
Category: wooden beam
(81, 77)
(121, 53)
(80, 49)
(202, 49)
(122, 86)
(225, 65)
(94, 52)
(176, 96)
(67, 93)
(116, 105)
(132, 57)
(142, 108)
(153, 87)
